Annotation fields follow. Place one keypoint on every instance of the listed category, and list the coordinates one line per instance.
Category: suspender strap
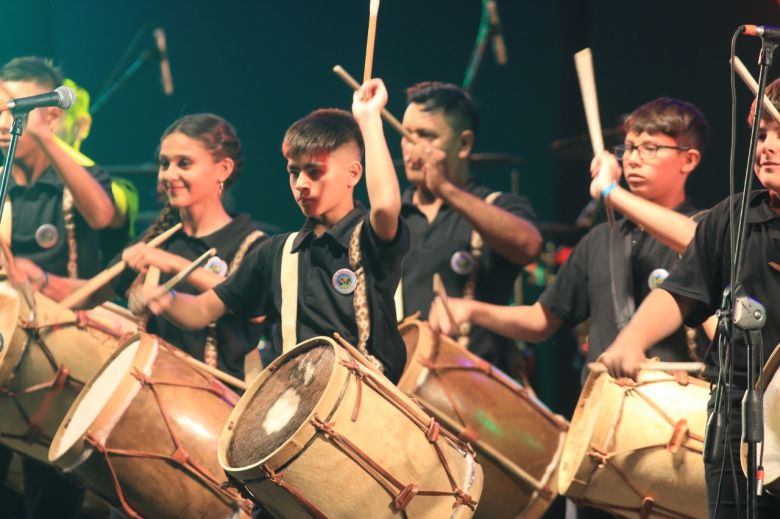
(621, 277)
(289, 282)
(6, 223)
(70, 233)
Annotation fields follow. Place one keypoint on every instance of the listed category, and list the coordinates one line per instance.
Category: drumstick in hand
(751, 83)
(441, 293)
(373, 12)
(181, 276)
(80, 295)
(583, 60)
(690, 367)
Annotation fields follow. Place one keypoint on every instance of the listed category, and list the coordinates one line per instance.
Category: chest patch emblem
(47, 236)
(462, 262)
(657, 277)
(217, 265)
(344, 281)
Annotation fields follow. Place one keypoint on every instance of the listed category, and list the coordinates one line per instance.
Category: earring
(221, 187)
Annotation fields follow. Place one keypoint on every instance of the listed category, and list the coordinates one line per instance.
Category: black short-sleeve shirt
(583, 288)
(235, 336)
(704, 271)
(433, 246)
(255, 289)
(41, 203)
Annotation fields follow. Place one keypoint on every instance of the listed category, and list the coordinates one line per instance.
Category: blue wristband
(607, 190)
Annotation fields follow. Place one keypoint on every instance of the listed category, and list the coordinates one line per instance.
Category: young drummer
(610, 271)
(323, 152)
(695, 289)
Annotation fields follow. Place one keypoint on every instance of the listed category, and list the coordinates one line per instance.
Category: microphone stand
(135, 66)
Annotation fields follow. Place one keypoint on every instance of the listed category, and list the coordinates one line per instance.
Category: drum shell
(624, 422)
(81, 342)
(507, 419)
(131, 420)
(769, 383)
(320, 470)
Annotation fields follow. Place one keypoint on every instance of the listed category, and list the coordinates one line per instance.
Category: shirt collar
(472, 186)
(49, 177)
(340, 232)
(759, 210)
(228, 238)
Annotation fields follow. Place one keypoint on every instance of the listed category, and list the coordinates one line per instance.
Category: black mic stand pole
(135, 66)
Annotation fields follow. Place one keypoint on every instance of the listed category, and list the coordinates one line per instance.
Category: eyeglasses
(646, 151)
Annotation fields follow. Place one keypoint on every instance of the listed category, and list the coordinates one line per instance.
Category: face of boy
(323, 183)
(38, 118)
(430, 127)
(660, 179)
(767, 164)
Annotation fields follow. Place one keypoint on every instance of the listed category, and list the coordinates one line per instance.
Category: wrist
(45, 282)
(608, 190)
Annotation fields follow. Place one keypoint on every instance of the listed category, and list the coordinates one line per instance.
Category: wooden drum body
(517, 439)
(635, 448)
(143, 435)
(318, 434)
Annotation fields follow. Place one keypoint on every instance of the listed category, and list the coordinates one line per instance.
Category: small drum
(319, 434)
(770, 383)
(143, 435)
(518, 440)
(635, 448)
(49, 353)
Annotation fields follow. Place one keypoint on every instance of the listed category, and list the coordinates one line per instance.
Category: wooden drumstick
(690, 367)
(583, 60)
(751, 83)
(186, 271)
(373, 12)
(80, 295)
(216, 373)
(441, 293)
(386, 115)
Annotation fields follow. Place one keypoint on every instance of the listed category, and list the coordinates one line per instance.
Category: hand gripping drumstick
(744, 74)
(181, 276)
(441, 293)
(583, 60)
(373, 12)
(690, 367)
(386, 115)
(79, 295)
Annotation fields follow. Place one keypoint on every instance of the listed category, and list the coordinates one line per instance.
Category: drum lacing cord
(677, 440)
(180, 457)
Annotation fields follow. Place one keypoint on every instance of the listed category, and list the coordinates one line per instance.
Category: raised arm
(384, 194)
(140, 256)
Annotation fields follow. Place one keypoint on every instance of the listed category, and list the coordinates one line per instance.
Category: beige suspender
(6, 223)
(289, 281)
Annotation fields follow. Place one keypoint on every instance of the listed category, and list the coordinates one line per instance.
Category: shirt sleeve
(517, 205)
(568, 296)
(247, 292)
(385, 257)
(103, 179)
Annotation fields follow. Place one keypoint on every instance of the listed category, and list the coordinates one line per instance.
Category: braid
(167, 218)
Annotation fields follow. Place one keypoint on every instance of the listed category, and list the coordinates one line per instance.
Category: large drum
(143, 435)
(770, 383)
(319, 434)
(635, 448)
(47, 355)
(518, 440)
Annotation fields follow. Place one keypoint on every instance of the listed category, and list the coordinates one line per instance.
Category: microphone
(165, 65)
(499, 46)
(766, 32)
(61, 97)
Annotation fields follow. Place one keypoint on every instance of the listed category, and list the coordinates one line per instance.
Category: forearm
(671, 228)
(89, 197)
(660, 314)
(194, 312)
(511, 236)
(528, 323)
(384, 194)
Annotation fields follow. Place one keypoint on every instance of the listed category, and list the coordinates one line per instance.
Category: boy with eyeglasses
(611, 271)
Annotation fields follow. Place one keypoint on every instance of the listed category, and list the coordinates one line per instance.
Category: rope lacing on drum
(277, 479)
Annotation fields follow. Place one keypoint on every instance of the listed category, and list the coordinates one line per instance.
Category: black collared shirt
(704, 271)
(235, 337)
(432, 250)
(583, 287)
(41, 203)
(255, 288)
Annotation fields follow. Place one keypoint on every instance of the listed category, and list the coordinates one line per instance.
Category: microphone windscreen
(67, 97)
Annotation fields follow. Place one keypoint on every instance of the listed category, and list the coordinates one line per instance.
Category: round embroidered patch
(657, 277)
(344, 281)
(462, 262)
(47, 236)
(217, 265)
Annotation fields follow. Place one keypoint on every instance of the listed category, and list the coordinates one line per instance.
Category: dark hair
(680, 120)
(219, 137)
(216, 134)
(456, 103)
(772, 91)
(326, 129)
(33, 69)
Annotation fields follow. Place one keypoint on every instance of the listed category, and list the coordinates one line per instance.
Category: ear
(225, 169)
(83, 126)
(52, 116)
(465, 144)
(692, 160)
(354, 173)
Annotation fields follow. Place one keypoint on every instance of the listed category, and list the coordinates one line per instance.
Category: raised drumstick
(690, 367)
(79, 295)
(373, 12)
(386, 115)
(441, 293)
(583, 60)
(751, 83)
(186, 271)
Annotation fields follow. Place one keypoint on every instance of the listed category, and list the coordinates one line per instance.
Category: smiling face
(323, 183)
(188, 172)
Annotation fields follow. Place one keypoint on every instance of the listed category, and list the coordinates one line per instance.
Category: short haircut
(326, 129)
(680, 120)
(772, 91)
(456, 104)
(33, 69)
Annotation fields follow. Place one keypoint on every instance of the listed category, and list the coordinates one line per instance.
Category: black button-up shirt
(235, 336)
(40, 203)
(583, 287)
(432, 248)
(255, 289)
(704, 271)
